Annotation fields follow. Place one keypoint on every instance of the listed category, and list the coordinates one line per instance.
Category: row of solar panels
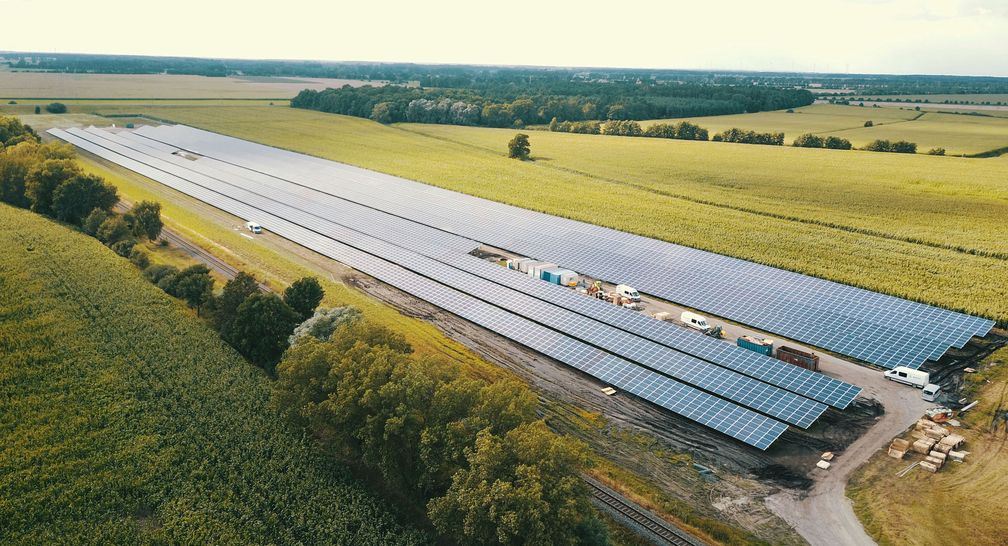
(411, 236)
(874, 327)
(618, 322)
(728, 417)
(770, 400)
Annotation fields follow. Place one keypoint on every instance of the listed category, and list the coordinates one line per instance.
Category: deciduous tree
(519, 147)
(304, 295)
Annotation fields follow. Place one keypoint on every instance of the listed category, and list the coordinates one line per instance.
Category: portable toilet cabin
(552, 275)
(569, 278)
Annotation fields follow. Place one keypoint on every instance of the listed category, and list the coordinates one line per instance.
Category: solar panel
(745, 390)
(881, 329)
(731, 419)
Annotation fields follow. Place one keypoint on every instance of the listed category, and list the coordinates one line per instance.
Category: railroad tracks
(213, 262)
(639, 519)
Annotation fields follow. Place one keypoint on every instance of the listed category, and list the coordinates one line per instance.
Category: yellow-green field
(979, 98)
(961, 504)
(817, 118)
(82, 86)
(927, 228)
(958, 134)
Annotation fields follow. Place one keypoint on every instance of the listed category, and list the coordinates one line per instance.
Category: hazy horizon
(958, 37)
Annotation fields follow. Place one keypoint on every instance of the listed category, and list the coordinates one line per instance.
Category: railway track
(213, 262)
(655, 529)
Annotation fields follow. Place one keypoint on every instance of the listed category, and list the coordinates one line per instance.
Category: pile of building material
(898, 448)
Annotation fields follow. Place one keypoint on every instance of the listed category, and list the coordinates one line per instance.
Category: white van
(628, 292)
(931, 392)
(694, 321)
(253, 227)
(908, 376)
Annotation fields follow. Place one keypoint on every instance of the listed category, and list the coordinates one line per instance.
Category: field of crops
(128, 421)
(58, 85)
(817, 118)
(926, 228)
(958, 134)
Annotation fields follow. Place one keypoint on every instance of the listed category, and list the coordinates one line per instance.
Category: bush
(56, 108)
(837, 143)
(749, 137)
(683, 130)
(900, 146)
(93, 221)
(324, 322)
(157, 272)
(808, 140)
(621, 128)
(139, 258)
(904, 147)
(124, 247)
(113, 230)
(936, 151)
(869, 123)
(38, 110)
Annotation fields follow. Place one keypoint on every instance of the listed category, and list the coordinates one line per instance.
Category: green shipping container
(756, 345)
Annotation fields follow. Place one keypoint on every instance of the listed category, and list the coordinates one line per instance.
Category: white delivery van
(908, 376)
(931, 392)
(253, 227)
(628, 292)
(694, 321)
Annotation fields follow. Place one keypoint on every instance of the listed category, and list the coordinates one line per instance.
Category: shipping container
(803, 359)
(762, 346)
(551, 274)
(521, 264)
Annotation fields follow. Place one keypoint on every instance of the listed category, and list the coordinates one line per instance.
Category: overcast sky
(883, 36)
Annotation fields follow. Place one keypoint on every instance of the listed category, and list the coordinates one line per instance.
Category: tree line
(509, 105)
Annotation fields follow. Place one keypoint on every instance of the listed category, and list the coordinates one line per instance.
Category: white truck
(909, 376)
(694, 321)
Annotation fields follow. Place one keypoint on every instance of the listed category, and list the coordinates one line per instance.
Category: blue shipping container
(552, 275)
(756, 345)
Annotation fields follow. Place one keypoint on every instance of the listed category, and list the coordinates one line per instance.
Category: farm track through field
(746, 210)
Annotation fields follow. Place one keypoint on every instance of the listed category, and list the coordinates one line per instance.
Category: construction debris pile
(937, 443)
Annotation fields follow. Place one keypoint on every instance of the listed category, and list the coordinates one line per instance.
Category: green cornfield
(126, 420)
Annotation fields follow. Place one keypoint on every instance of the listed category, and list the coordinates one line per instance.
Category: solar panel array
(764, 397)
(732, 419)
(881, 329)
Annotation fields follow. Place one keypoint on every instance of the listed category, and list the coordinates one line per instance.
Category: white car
(253, 227)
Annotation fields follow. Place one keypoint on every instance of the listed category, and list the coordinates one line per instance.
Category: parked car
(253, 227)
